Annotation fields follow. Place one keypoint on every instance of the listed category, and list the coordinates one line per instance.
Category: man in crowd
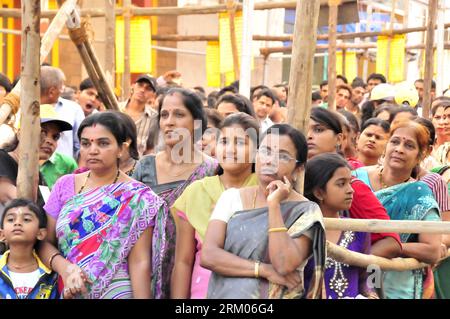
(262, 103)
(139, 108)
(52, 85)
(88, 98)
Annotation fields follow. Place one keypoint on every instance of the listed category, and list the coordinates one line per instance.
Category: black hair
(214, 117)
(442, 102)
(229, 88)
(433, 83)
(86, 84)
(327, 118)
(376, 76)
(429, 126)
(402, 109)
(131, 131)
(351, 118)
(316, 96)
(249, 124)
(267, 93)
(200, 89)
(161, 90)
(319, 170)
(255, 88)
(297, 138)
(385, 125)
(343, 78)
(111, 120)
(241, 103)
(389, 107)
(5, 82)
(192, 102)
(367, 110)
(323, 83)
(22, 202)
(358, 82)
(212, 99)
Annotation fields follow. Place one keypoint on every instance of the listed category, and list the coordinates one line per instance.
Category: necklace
(89, 175)
(131, 171)
(21, 267)
(383, 184)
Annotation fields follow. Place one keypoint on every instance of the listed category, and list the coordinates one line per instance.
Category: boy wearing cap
(53, 165)
(139, 108)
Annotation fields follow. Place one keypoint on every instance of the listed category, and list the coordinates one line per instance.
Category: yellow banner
(140, 45)
(351, 65)
(226, 52)
(396, 57)
(213, 64)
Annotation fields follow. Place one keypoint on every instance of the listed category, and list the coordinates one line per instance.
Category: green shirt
(56, 166)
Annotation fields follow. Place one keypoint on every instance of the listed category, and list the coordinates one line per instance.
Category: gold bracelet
(257, 263)
(277, 229)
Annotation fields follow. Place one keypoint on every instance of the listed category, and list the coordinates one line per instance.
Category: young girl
(22, 274)
(237, 142)
(327, 182)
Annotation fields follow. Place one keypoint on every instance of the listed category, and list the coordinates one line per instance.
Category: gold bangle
(50, 260)
(277, 229)
(257, 263)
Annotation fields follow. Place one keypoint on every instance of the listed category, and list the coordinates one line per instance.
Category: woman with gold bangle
(259, 238)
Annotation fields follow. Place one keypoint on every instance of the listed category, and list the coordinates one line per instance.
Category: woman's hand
(278, 191)
(291, 280)
(75, 281)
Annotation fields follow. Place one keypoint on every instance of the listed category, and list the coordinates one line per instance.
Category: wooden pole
(126, 57)
(429, 57)
(405, 25)
(365, 73)
(167, 11)
(110, 25)
(246, 56)
(234, 48)
(388, 49)
(49, 38)
(356, 259)
(301, 73)
(332, 24)
(387, 226)
(440, 38)
(28, 174)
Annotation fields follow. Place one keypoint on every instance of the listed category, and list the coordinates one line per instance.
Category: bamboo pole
(49, 38)
(28, 174)
(356, 259)
(388, 49)
(332, 24)
(234, 48)
(387, 226)
(165, 11)
(110, 32)
(246, 57)
(405, 25)
(289, 37)
(301, 73)
(367, 39)
(126, 56)
(429, 58)
(440, 38)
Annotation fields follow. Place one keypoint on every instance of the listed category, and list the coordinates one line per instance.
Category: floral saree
(247, 237)
(97, 230)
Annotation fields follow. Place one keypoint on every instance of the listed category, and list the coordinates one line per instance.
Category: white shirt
(72, 112)
(24, 283)
(265, 124)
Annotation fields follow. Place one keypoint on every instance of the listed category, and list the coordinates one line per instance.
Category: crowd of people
(183, 194)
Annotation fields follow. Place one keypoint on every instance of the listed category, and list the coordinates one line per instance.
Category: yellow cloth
(199, 199)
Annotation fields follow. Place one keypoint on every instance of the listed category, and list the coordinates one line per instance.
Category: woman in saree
(325, 136)
(259, 238)
(406, 199)
(235, 151)
(101, 220)
(182, 122)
